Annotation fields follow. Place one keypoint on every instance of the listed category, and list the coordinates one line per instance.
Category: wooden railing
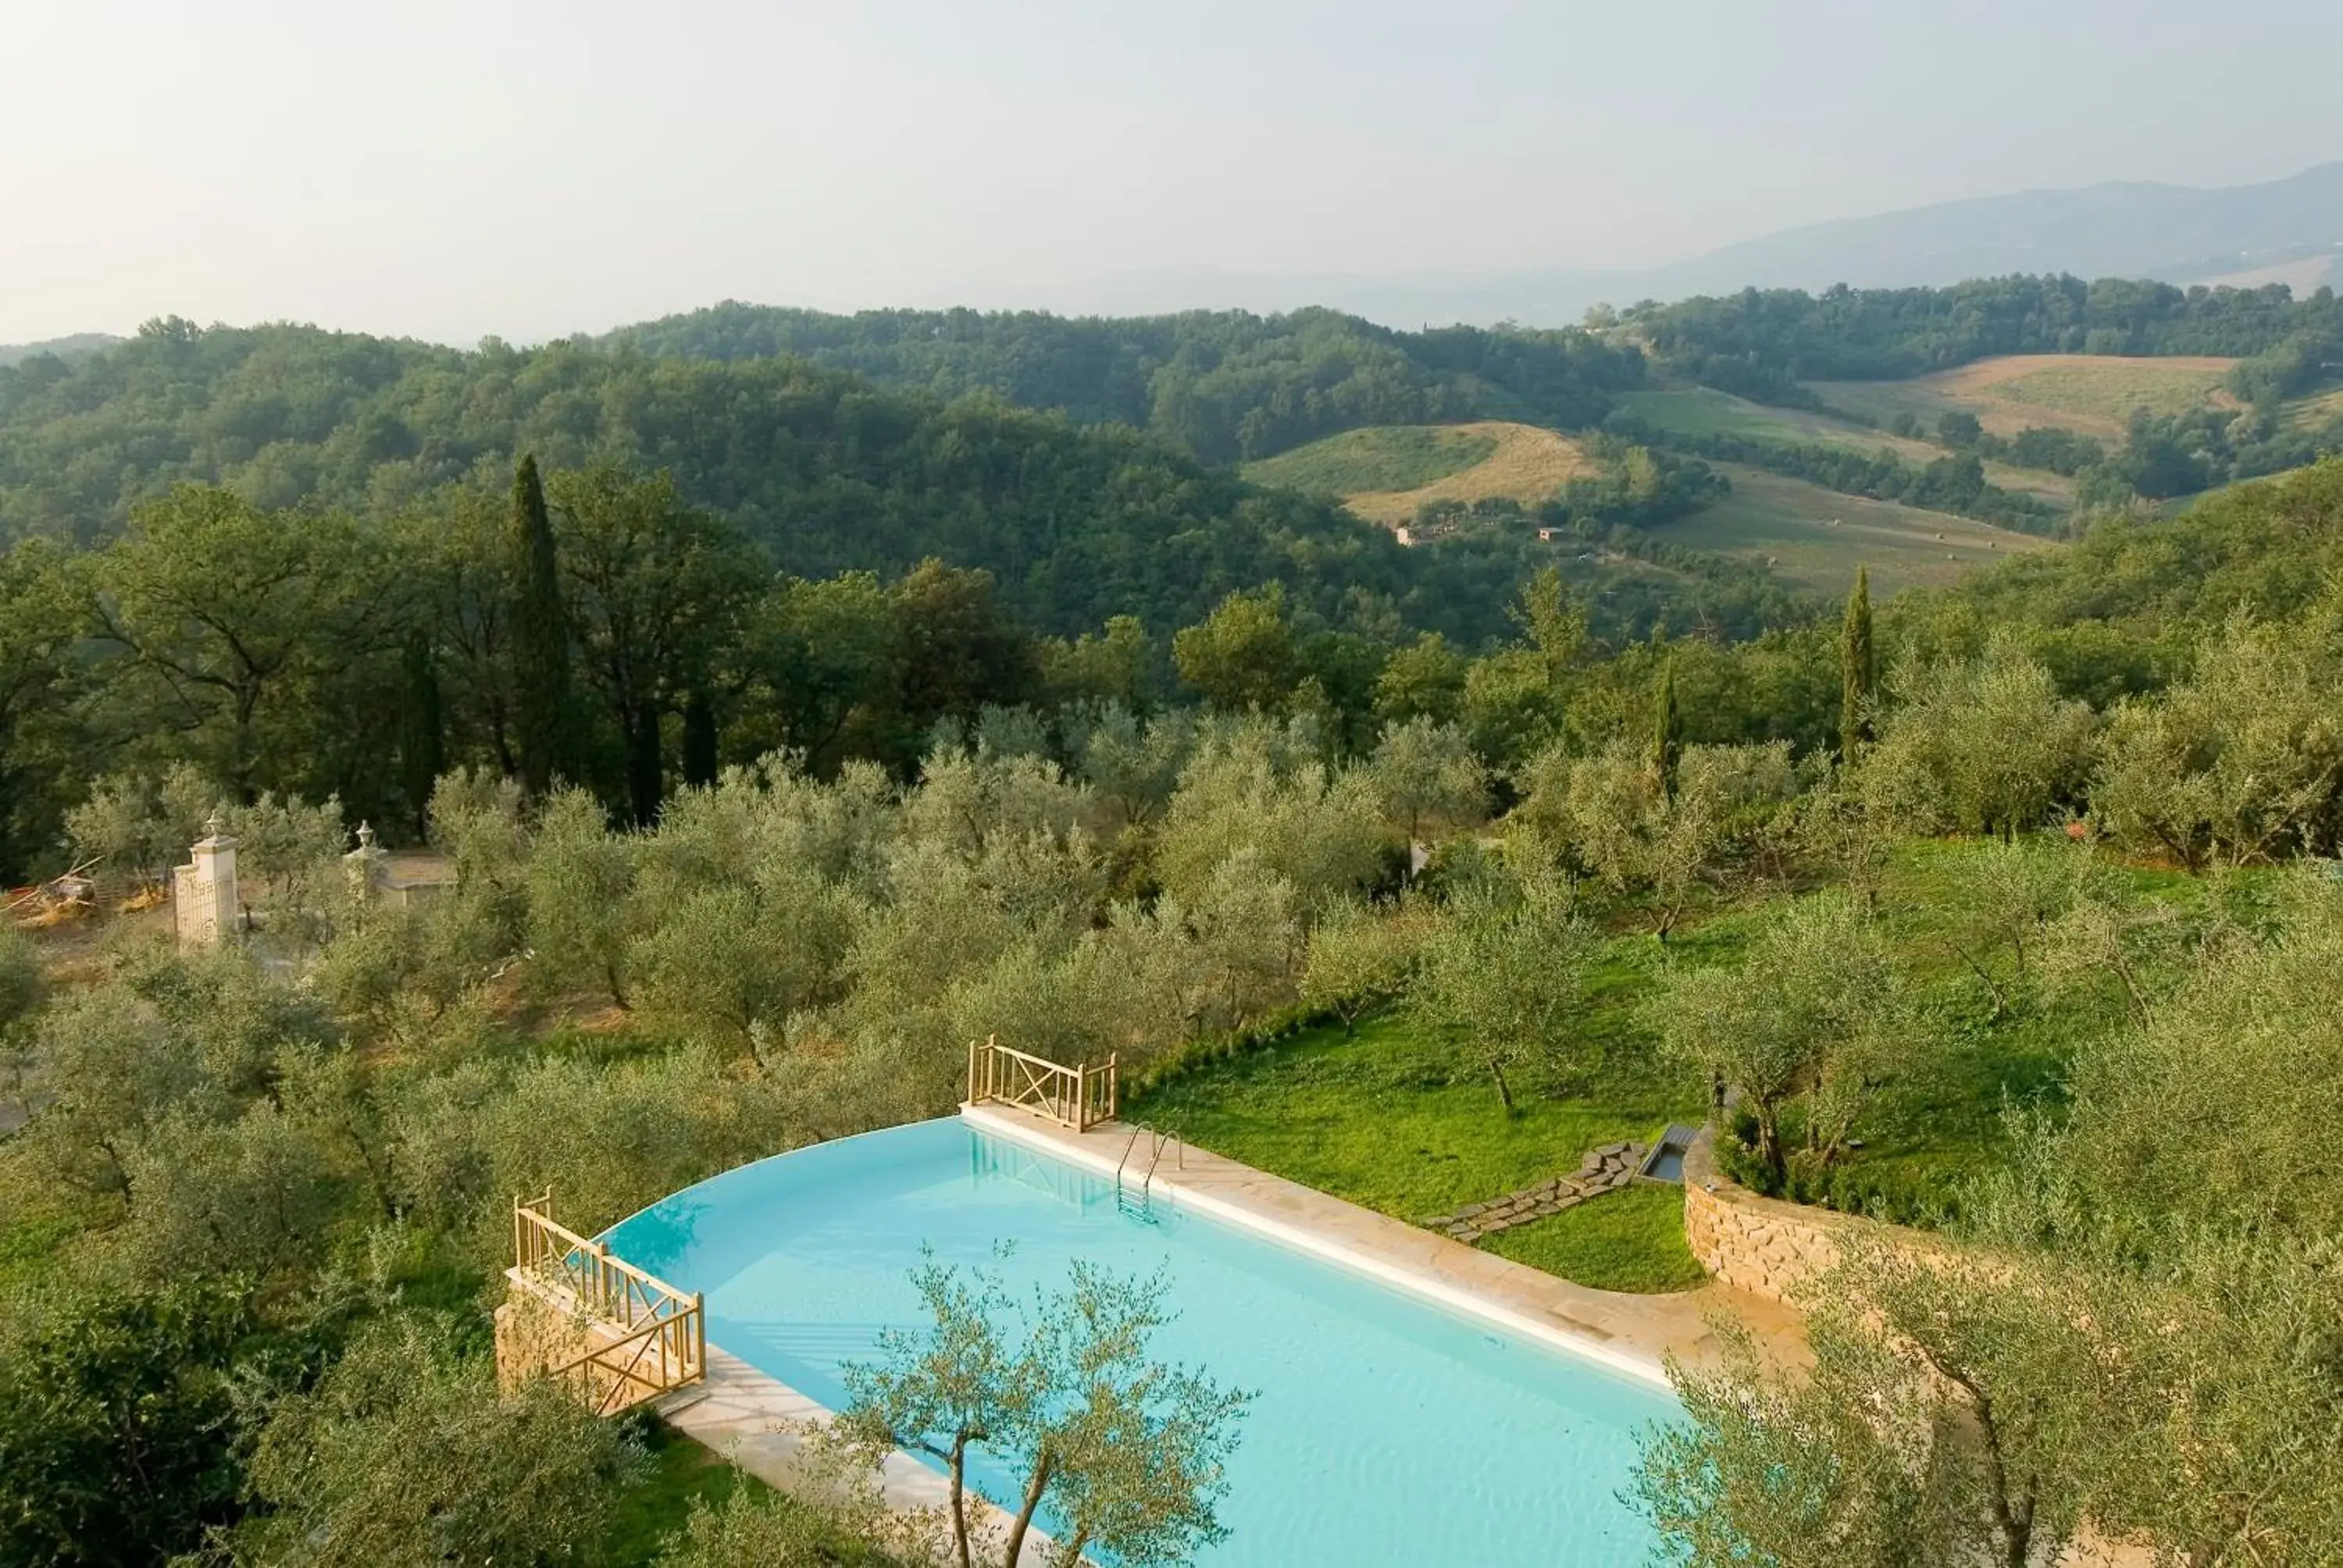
(1076, 1097)
(644, 1336)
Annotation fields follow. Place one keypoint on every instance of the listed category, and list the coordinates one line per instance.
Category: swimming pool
(1384, 1430)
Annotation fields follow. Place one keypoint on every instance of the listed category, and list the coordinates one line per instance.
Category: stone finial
(213, 825)
(366, 835)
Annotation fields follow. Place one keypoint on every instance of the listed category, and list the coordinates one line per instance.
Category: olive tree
(120, 1424)
(104, 1071)
(2241, 760)
(404, 1452)
(1502, 979)
(141, 824)
(1258, 785)
(1977, 746)
(1359, 958)
(1428, 775)
(1947, 1418)
(1814, 1013)
(1616, 814)
(1127, 1452)
(738, 957)
(250, 1195)
(2004, 898)
(581, 915)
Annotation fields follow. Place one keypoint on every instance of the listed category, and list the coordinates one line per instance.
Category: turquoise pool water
(1384, 1430)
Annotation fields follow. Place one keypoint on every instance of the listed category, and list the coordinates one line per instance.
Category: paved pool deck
(1632, 1333)
(766, 1427)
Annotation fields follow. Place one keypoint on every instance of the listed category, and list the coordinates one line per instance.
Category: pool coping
(1629, 1334)
(766, 1427)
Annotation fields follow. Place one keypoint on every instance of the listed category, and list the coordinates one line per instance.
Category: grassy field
(1379, 458)
(1705, 411)
(1413, 1127)
(1398, 1123)
(2090, 394)
(678, 1473)
(1815, 537)
(1386, 473)
(2317, 407)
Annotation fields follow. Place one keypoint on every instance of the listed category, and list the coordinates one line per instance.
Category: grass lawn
(1389, 1121)
(680, 1473)
(1412, 1128)
(1632, 1240)
(1407, 1126)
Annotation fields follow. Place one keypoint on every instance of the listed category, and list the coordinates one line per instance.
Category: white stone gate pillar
(203, 891)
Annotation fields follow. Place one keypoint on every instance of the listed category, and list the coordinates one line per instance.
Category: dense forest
(1760, 342)
(1225, 386)
(821, 471)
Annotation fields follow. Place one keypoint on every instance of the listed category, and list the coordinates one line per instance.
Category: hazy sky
(452, 169)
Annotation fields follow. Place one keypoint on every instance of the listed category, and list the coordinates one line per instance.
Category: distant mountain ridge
(2134, 229)
(72, 347)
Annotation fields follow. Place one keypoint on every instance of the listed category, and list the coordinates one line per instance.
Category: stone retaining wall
(1761, 1245)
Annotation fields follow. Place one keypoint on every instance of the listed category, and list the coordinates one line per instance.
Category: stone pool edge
(752, 1419)
(1389, 1237)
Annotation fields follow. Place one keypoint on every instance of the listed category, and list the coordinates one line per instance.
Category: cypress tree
(700, 741)
(1667, 734)
(1858, 670)
(540, 639)
(422, 731)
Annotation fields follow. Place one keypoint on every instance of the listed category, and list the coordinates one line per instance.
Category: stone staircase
(1606, 1169)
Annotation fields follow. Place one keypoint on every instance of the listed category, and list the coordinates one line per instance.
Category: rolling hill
(73, 348)
(1808, 536)
(2089, 394)
(1814, 538)
(1704, 410)
(1386, 474)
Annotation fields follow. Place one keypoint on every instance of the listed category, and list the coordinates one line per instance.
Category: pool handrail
(1158, 1138)
(625, 1310)
(1080, 1097)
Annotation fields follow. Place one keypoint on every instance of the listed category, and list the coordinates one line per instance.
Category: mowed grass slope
(1814, 538)
(2089, 394)
(2317, 407)
(1377, 457)
(1705, 411)
(1385, 474)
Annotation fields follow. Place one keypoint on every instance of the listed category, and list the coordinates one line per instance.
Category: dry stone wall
(1761, 1245)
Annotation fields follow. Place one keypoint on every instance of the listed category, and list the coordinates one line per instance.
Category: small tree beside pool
(1130, 1453)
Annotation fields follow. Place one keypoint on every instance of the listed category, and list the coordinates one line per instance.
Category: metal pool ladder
(1139, 1208)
